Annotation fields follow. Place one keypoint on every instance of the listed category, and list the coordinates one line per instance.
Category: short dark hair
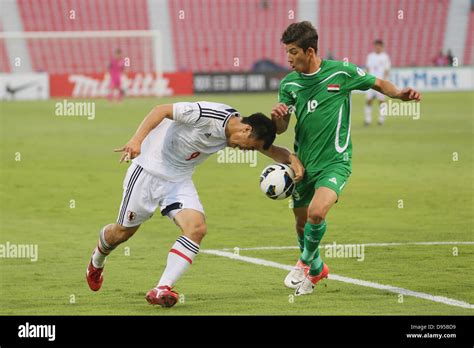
(262, 128)
(378, 42)
(302, 34)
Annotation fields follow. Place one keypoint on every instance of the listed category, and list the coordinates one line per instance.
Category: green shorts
(334, 177)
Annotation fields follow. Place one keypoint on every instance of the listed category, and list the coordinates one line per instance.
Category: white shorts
(143, 193)
(371, 94)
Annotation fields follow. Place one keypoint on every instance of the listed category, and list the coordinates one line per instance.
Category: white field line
(261, 262)
(366, 244)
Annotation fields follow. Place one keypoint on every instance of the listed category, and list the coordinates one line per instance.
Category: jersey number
(193, 155)
(312, 104)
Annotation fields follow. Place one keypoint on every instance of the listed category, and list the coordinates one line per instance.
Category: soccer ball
(277, 181)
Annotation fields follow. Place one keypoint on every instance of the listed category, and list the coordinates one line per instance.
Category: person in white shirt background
(378, 64)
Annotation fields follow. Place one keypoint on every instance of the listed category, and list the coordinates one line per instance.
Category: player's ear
(247, 129)
(310, 51)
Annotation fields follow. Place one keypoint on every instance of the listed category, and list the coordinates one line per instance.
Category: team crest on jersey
(131, 215)
(334, 88)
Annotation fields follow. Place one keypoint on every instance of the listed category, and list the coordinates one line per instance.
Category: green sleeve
(284, 96)
(358, 78)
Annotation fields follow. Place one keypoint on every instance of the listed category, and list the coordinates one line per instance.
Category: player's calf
(109, 238)
(181, 254)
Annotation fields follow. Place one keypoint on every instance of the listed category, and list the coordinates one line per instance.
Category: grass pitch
(61, 182)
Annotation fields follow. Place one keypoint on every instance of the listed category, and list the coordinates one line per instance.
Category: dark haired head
(301, 34)
(262, 128)
(378, 42)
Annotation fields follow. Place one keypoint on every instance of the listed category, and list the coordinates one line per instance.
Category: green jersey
(322, 104)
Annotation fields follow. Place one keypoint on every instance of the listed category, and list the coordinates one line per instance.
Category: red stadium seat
(84, 55)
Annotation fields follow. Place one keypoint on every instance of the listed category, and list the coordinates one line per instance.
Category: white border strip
(261, 262)
(367, 244)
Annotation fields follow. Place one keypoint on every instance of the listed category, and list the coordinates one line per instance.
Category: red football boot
(163, 296)
(94, 277)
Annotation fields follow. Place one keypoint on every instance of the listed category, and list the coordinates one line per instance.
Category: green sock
(313, 233)
(316, 265)
(300, 241)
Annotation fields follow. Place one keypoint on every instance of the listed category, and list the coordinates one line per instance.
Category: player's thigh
(182, 205)
(369, 96)
(323, 199)
(137, 205)
(328, 189)
(303, 193)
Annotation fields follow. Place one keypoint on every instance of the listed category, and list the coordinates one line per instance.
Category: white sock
(368, 113)
(101, 250)
(180, 257)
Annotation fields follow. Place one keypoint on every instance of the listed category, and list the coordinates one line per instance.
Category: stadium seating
(469, 48)
(84, 56)
(412, 41)
(232, 35)
(4, 63)
(214, 33)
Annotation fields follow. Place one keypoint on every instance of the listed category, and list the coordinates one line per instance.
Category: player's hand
(408, 94)
(279, 111)
(297, 167)
(129, 151)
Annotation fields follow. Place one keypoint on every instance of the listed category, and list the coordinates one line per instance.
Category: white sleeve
(186, 112)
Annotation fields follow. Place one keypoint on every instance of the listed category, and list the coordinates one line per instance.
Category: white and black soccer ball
(277, 181)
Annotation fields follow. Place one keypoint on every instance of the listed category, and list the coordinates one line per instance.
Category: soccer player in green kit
(318, 92)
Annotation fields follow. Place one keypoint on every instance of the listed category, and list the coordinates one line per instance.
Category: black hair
(302, 34)
(378, 42)
(262, 128)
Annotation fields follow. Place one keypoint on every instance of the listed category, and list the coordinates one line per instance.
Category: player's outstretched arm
(281, 117)
(283, 155)
(132, 148)
(392, 91)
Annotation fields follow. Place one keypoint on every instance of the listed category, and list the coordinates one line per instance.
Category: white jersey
(174, 148)
(377, 64)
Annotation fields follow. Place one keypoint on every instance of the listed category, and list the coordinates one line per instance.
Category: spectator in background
(440, 59)
(377, 64)
(116, 68)
(450, 57)
(329, 56)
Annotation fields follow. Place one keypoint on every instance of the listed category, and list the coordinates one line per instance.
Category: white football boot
(296, 275)
(307, 285)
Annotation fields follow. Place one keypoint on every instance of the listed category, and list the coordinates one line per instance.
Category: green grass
(65, 158)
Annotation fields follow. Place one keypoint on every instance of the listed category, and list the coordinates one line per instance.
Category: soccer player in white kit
(378, 64)
(169, 143)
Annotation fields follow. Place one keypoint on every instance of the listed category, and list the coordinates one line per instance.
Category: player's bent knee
(316, 216)
(200, 230)
(124, 233)
(196, 232)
